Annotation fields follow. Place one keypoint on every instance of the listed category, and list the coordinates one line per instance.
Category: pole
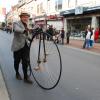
(45, 21)
(12, 21)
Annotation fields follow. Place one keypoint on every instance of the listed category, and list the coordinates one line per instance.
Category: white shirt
(88, 35)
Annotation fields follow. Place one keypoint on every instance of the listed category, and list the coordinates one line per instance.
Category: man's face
(24, 19)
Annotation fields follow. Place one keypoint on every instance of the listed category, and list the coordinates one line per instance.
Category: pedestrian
(68, 36)
(19, 46)
(50, 31)
(62, 35)
(88, 37)
(92, 37)
(96, 34)
(84, 44)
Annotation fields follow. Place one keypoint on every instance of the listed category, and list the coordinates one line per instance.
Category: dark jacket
(62, 33)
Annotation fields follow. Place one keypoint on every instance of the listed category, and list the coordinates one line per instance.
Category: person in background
(62, 35)
(84, 44)
(68, 36)
(88, 37)
(96, 35)
(92, 37)
(19, 46)
(50, 31)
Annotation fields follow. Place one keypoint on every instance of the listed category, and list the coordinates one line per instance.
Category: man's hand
(36, 26)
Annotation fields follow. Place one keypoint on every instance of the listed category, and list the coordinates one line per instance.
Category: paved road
(80, 79)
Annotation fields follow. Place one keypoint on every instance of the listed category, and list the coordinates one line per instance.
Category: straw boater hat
(24, 14)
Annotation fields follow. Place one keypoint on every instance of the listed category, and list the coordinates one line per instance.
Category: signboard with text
(78, 10)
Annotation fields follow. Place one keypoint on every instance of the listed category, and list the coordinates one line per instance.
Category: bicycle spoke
(48, 62)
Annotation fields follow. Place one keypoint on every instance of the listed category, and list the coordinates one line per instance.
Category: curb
(3, 90)
(83, 50)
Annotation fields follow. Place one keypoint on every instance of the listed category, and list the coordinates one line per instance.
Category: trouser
(87, 43)
(67, 40)
(21, 55)
(84, 44)
(62, 40)
(91, 43)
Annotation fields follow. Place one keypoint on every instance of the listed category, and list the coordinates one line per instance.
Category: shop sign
(78, 10)
(93, 8)
(37, 19)
(40, 22)
(52, 17)
(67, 12)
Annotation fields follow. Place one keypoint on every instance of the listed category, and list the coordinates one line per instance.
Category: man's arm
(17, 28)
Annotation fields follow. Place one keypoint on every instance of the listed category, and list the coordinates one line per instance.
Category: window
(72, 3)
(68, 2)
(58, 5)
(40, 8)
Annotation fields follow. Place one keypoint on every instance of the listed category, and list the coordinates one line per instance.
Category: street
(80, 76)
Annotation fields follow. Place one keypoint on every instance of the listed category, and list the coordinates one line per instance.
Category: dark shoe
(18, 77)
(29, 81)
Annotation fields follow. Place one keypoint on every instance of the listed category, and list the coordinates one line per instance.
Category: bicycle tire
(52, 68)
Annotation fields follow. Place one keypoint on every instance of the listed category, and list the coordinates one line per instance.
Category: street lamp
(45, 15)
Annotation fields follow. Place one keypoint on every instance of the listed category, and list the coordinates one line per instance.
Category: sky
(8, 3)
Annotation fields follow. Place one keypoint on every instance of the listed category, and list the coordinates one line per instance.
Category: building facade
(12, 15)
(74, 15)
(48, 13)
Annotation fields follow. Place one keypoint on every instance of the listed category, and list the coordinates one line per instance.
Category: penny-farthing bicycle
(45, 60)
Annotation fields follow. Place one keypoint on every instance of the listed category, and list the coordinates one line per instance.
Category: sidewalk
(3, 90)
(79, 44)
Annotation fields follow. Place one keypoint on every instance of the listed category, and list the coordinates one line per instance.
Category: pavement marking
(3, 90)
(82, 50)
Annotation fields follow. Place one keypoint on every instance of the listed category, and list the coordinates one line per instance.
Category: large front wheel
(48, 60)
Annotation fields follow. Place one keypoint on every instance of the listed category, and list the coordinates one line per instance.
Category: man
(84, 44)
(19, 46)
(50, 31)
(62, 35)
(68, 36)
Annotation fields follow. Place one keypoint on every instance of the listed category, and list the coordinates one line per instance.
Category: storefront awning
(93, 8)
(67, 12)
(80, 10)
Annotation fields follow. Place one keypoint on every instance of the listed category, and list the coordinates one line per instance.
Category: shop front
(56, 21)
(77, 20)
(41, 20)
